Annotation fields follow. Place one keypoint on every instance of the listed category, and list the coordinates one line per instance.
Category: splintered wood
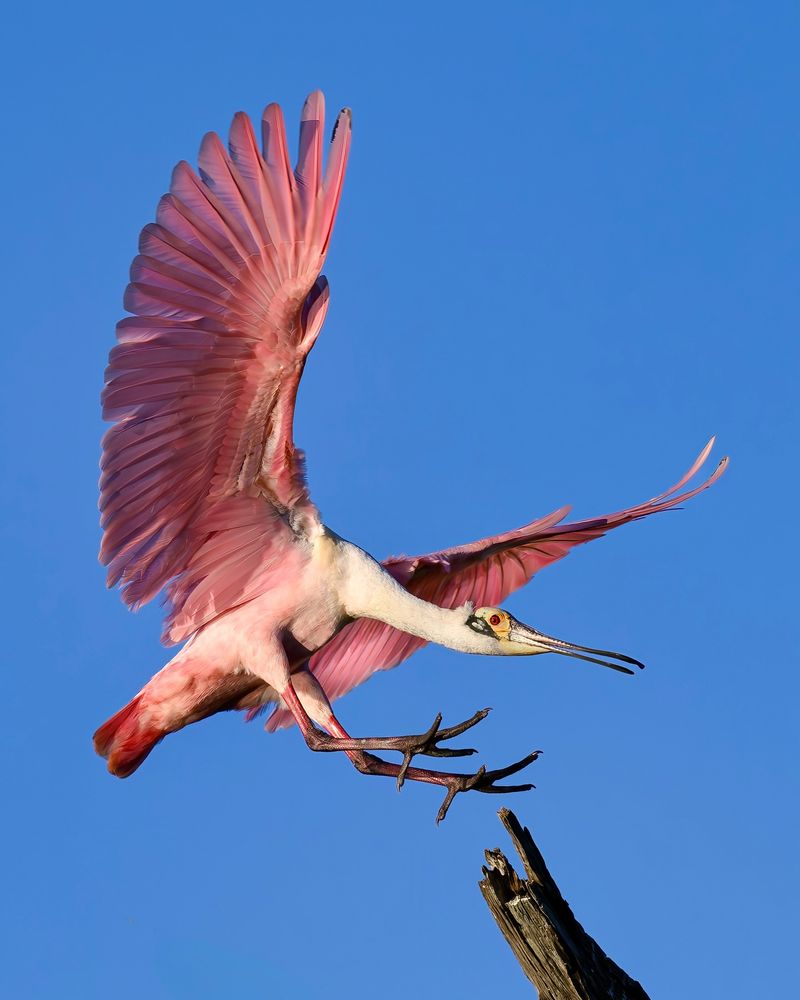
(555, 952)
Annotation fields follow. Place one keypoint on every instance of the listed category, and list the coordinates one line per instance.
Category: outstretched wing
(484, 572)
(227, 303)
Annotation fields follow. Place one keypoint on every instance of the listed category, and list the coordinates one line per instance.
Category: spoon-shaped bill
(527, 636)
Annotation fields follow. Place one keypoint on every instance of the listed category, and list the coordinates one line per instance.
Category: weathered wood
(555, 952)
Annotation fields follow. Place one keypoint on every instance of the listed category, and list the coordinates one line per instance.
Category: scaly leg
(315, 701)
(313, 698)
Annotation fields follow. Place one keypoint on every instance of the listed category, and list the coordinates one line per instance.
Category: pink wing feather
(227, 303)
(483, 572)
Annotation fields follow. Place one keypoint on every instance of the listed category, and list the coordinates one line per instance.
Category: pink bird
(203, 491)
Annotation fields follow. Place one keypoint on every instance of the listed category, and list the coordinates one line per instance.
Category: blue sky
(566, 254)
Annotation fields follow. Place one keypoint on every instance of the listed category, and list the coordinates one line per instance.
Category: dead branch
(555, 952)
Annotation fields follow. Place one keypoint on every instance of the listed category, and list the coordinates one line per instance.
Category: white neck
(370, 592)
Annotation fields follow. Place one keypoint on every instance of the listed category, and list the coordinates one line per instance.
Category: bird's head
(516, 639)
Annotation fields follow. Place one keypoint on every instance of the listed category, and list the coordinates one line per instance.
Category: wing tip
(272, 112)
(343, 126)
(313, 106)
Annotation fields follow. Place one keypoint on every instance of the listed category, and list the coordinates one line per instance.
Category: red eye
(495, 620)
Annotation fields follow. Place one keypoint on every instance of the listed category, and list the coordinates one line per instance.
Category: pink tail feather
(127, 738)
(189, 688)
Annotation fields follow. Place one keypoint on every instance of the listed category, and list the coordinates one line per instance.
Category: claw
(502, 789)
(484, 781)
(462, 727)
(464, 783)
(504, 772)
(451, 794)
(408, 755)
(426, 744)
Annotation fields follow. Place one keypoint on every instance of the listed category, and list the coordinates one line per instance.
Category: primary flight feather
(203, 492)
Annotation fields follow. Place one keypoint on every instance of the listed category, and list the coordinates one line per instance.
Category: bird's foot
(426, 744)
(484, 781)
(481, 781)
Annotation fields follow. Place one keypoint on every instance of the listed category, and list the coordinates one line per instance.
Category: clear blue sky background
(567, 253)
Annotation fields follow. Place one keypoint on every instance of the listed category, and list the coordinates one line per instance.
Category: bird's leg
(314, 699)
(338, 738)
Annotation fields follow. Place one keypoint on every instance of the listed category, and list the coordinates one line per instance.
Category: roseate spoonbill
(203, 490)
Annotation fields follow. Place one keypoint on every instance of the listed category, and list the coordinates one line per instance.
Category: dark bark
(555, 952)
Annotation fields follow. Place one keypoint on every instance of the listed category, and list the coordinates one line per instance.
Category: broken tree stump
(555, 952)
